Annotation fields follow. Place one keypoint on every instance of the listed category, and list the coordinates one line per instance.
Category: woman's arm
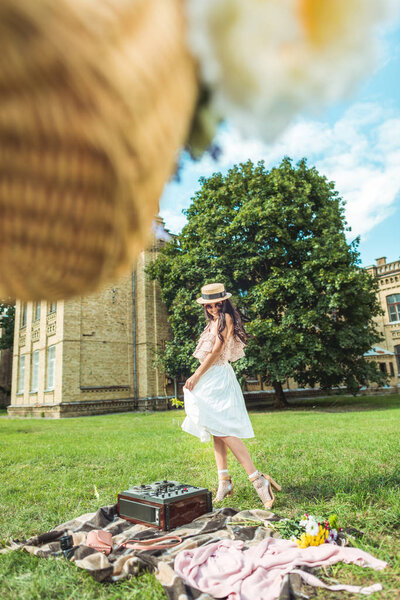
(214, 355)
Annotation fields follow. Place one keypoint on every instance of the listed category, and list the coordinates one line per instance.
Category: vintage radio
(164, 504)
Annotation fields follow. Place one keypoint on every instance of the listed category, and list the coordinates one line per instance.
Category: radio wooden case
(164, 504)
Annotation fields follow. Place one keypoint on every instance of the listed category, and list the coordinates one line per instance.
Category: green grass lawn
(330, 455)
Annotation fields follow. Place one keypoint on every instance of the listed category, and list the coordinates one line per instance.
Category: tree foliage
(7, 320)
(276, 239)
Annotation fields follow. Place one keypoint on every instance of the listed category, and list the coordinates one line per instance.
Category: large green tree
(7, 320)
(277, 240)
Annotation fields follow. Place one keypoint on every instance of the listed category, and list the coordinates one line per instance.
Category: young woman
(214, 402)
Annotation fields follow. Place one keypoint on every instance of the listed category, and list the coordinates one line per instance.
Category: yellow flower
(321, 536)
(302, 542)
(306, 539)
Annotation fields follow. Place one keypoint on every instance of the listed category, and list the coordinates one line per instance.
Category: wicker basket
(96, 98)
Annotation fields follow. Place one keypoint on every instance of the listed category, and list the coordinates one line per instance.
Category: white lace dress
(215, 406)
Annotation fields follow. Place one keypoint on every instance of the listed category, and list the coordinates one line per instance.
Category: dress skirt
(216, 406)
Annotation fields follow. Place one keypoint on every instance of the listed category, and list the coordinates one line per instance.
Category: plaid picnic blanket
(124, 562)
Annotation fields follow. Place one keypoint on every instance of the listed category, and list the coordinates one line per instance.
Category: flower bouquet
(310, 530)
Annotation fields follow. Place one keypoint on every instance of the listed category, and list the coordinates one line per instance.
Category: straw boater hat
(213, 292)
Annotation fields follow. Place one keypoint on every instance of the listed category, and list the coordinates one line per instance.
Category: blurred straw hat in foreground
(96, 99)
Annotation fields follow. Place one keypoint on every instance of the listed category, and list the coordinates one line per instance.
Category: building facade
(387, 354)
(93, 354)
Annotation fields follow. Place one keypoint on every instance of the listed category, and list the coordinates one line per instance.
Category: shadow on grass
(337, 403)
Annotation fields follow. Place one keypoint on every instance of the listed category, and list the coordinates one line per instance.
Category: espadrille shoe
(263, 485)
(225, 488)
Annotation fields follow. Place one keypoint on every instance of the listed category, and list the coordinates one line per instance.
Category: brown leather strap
(255, 477)
(151, 543)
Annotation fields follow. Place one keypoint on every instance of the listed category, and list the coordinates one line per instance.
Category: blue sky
(354, 143)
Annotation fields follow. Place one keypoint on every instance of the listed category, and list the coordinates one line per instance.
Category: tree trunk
(280, 400)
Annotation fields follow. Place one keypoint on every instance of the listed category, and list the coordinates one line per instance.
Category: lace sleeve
(232, 352)
(204, 345)
(234, 349)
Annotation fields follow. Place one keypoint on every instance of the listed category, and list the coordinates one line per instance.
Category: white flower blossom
(332, 537)
(312, 527)
(265, 61)
(293, 539)
(303, 522)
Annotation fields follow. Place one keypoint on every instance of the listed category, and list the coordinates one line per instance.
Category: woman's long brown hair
(238, 328)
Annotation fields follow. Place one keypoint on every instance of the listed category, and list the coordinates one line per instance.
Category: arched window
(36, 311)
(397, 353)
(51, 308)
(24, 313)
(393, 303)
(51, 359)
(21, 374)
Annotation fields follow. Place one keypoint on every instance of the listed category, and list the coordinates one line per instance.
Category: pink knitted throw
(225, 569)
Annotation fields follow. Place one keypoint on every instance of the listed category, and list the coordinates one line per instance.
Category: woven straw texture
(96, 98)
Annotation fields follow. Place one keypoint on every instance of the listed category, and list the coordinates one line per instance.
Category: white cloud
(174, 221)
(360, 153)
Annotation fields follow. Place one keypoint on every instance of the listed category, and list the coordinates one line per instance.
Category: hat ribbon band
(213, 296)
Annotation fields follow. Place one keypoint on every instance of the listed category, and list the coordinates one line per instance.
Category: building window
(391, 369)
(383, 368)
(36, 311)
(21, 374)
(397, 353)
(52, 307)
(51, 358)
(24, 312)
(35, 371)
(393, 303)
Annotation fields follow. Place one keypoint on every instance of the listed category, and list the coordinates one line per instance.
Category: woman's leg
(260, 483)
(220, 451)
(240, 452)
(225, 483)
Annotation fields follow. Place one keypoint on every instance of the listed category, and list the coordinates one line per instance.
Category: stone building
(387, 354)
(94, 354)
